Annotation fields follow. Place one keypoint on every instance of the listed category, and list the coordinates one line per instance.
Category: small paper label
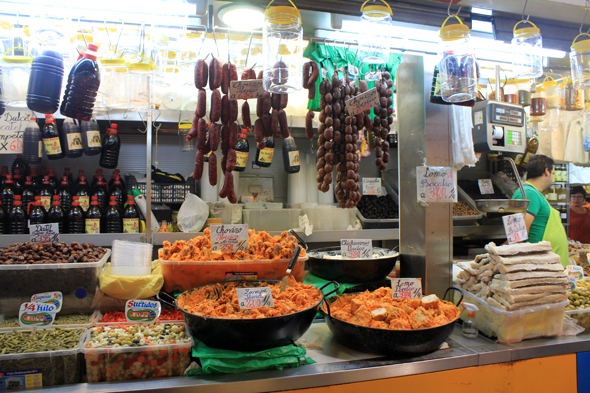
(55, 298)
(362, 102)
(22, 379)
(571, 283)
(229, 238)
(93, 138)
(356, 248)
(45, 202)
(92, 225)
(515, 228)
(406, 288)
(373, 76)
(266, 155)
(84, 202)
(372, 185)
(485, 186)
(245, 90)
(241, 159)
(138, 310)
(44, 233)
(52, 146)
(74, 141)
(478, 118)
(436, 184)
(131, 225)
(294, 158)
(236, 276)
(254, 297)
(36, 314)
(352, 72)
(576, 272)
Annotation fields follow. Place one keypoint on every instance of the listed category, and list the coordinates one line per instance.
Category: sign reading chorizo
(229, 238)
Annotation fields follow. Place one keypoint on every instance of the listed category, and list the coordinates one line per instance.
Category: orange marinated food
(379, 310)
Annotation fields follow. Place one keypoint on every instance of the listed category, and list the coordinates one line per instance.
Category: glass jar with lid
(573, 99)
(551, 93)
(374, 38)
(282, 49)
(511, 92)
(538, 102)
(139, 79)
(457, 64)
(580, 61)
(527, 48)
(114, 90)
(16, 70)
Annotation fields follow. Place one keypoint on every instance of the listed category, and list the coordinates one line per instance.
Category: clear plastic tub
(514, 326)
(583, 317)
(131, 258)
(329, 217)
(377, 223)
(271, 219)
(127, 363)
(54, 367)
(182, 276)
(91, 321)
(76, 281)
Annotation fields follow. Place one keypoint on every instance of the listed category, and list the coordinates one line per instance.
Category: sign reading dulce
(244, 90)
(137, 310)
(356, 248)
(229, 238)
(44, 233)
(254, 297)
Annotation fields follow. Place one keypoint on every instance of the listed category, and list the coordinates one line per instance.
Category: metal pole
(499, 97)
(148, 182)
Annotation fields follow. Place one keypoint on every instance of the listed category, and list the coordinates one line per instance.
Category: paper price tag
(515, 228)
(55, 298)
(137, 310)
(406, 288)
(12, 129)
(254, 297)
(362, 102)
(44, 233)
(36, 314)
(356, 248)
(245, 90)
(576, 272)
(485, 186)
(372, 186)
(229, 238)
(436, 184)
(571, 283)
(373, 76)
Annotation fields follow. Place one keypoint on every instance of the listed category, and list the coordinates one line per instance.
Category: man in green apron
(542, 221)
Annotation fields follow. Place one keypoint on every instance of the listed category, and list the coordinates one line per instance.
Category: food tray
(126, 363)
(182, 276)
(582, 315)
(76, 281)
(55, 367)
(329, 217)
(466, 220)
(514, 326)
(92, 320)
(380, 223)
(271, 219)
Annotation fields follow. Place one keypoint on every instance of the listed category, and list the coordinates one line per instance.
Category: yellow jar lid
(527, 32)
(454, 32)
(581, 46)
(5, 25)
(17, 59)
(185, 126)
(112, 61)
(549, 84)
(141, 66)
(376, 11)
(540, 89)
(282, 10)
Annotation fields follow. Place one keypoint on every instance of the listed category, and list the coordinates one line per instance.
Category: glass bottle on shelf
(56, 214)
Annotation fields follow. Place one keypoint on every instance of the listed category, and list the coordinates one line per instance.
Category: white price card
(36, 314)
(372, 186)
(137, 310)
(245, 90)
(356, 248)
(362, 102)
(229, 238)
(485, 186)
(576, 272)
(12, 129)
(436, 184)
(515, 228)
(406, 288)
(44, 233)
(254, 297)
(55, 298)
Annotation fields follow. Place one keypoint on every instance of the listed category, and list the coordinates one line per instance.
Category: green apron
(555, 233)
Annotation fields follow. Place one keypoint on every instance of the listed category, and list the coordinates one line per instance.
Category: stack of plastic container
(131, 258)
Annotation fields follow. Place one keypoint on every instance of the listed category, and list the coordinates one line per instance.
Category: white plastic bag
(571, 327)
(463, 153)
(193, 214)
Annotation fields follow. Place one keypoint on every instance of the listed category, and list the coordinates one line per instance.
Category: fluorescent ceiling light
(482, 25)
(481, 11)
(242, 16)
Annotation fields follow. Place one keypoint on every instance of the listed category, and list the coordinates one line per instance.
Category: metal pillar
(426, 233)
(148, 175)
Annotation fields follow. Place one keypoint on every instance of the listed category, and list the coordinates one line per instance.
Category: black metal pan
(350, 270)
(250, 334)
(388, 342)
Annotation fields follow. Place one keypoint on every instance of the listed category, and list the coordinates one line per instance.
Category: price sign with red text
(356, 248)
(245, 90)
(44, 233)
(436, 184)
(254, 297)
(485, 186)
(12, 128)
(36, 314)
(515, 228)
(137, 310)
(55, 298)
(229, 238)
(406, 288)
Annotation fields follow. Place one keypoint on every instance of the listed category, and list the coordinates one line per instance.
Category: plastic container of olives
(582, 315)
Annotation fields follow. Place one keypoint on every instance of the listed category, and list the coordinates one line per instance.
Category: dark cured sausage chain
(201, 74)
(213, 169)
(215, 111)
(383, 119)
(311, 73)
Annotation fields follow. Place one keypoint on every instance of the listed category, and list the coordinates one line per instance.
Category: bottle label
(266, 155)
(74, 141)
(46, 202)
(40, 149)
(93, 225)
(241, 159)
(84, 202)
(294, 158)
(131, 225)
(52, 146)
(587, 143)
(93, 138)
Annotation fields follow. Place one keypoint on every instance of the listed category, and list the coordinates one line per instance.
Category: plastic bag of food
(193, 214)
(132, 287)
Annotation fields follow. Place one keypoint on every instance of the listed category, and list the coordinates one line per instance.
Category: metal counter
(340, 365)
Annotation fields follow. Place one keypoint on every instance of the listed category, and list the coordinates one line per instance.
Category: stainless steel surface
(148, 176)
(424, 138)
(103, 239)
(480, 231)
(499, 97)
(502, 205)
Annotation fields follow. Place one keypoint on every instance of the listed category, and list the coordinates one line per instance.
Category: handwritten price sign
(485, 186)
(229, 238)
(406, 288)
(372, 186)
(12, 128)
(245, 90)
(515, 228)
(36, 314)
(55, 298)
(44, 233)
(356, 248)
(436, 184)
(254, 297)
(362, 102)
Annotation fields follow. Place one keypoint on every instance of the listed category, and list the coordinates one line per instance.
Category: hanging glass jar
(16, 69)
(573, 100)
(580, 62)
(184, 126)
(457, 64)
(551, 93)
(114, 90)
(374, 38)
(141, 70)
(538, 104)
(527, 51)
(282, 36)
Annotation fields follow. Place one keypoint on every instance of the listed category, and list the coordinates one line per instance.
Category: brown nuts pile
(40, 253)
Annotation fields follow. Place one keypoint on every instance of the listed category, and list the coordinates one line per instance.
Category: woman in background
(579, 228)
